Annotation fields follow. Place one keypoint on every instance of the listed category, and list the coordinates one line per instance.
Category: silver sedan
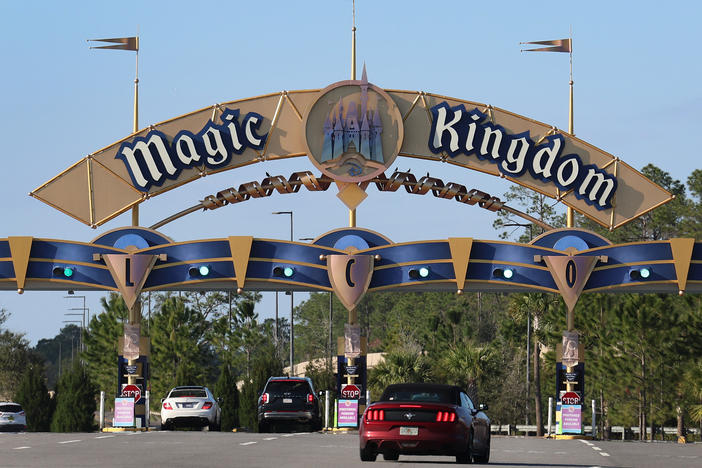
(190, 407)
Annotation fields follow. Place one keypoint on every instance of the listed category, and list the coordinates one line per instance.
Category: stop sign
(350, 392)
(131, 391)
(570, 398)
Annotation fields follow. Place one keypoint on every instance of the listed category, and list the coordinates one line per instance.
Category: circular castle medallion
(353, 131)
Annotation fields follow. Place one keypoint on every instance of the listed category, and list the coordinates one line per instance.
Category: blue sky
(637, 96)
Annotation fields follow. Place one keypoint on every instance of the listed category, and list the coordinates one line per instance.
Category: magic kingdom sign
(352, 131)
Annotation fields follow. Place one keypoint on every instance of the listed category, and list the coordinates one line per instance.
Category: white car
(190, 407)
(12, 417)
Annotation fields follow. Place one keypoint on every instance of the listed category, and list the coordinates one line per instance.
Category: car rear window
(10, 408)
(188, 392)
(423, 395)
(288, 386)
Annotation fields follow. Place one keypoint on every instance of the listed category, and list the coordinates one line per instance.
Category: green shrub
(34, 397)
(75, 402)
(225, 389)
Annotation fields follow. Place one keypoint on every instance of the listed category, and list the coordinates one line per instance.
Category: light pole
(292, 333)
(73, 337)
(528, 351)
(331, 349)
(84, 309)
(82, 327)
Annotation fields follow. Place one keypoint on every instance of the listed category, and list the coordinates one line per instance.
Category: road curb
(124, 429)
(569, 437)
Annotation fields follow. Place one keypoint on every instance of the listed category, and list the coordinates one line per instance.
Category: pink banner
(571, 418)
(347, 413)
(124, 412)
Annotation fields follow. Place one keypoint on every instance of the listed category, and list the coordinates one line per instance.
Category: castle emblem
(355, 133)
(354, 130)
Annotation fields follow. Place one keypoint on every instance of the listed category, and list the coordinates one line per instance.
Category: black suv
(288, 400)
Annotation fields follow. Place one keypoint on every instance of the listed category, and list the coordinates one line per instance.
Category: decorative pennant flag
(122, 43)
(557, 45)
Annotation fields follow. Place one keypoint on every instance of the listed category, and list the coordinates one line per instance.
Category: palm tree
(400, 366)
(465, 365)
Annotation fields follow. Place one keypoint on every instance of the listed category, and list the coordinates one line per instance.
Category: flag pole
(135, 126)
(570, 213)
(352, 211)
(561, 45)
(127, 43)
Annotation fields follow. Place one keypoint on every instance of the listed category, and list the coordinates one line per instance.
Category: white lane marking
(270, 438)
(23, 447)
(104, 437)
(288, 435)
(247, 443)
(69, 441)
(535, 451)
(560, 453)
(604, 454)
(596, 448)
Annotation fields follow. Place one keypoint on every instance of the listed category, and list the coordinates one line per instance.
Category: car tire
(263, 427)
(215, 427)
(368, 455)
(466, 457)
(391, 456)
(483, 458)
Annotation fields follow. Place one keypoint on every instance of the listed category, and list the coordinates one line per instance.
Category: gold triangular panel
(108, 204)
(240, 247)
(129, 272)
(682, 254)
(460, 255)
(68, 192)
(350, 276)
(570, 273)
(20, 247)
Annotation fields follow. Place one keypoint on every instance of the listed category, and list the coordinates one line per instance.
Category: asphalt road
(298, 450)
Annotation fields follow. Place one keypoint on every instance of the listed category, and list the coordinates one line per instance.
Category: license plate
(410, 431)
(186, 405)
(287, 400)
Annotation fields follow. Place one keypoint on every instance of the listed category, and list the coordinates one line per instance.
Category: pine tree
(34, 397)
(264, 365)
(101, 340)
(75, 402)
(180, 354)
(228, 394)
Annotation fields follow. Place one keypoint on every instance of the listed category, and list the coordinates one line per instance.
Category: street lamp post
(528, 351)
(84, 309)
(292, 333)
(73, 337)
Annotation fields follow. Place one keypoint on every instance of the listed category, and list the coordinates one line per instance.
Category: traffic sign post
(132, 391)
(350, 392)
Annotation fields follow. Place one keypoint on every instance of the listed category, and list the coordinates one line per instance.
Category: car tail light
(167, 405)
(375, 415)
(445, 416)
(264, 398)
(207, 405)
(310, 398)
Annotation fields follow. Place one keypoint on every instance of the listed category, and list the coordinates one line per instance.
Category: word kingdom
(457, 131)
(150, 160)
